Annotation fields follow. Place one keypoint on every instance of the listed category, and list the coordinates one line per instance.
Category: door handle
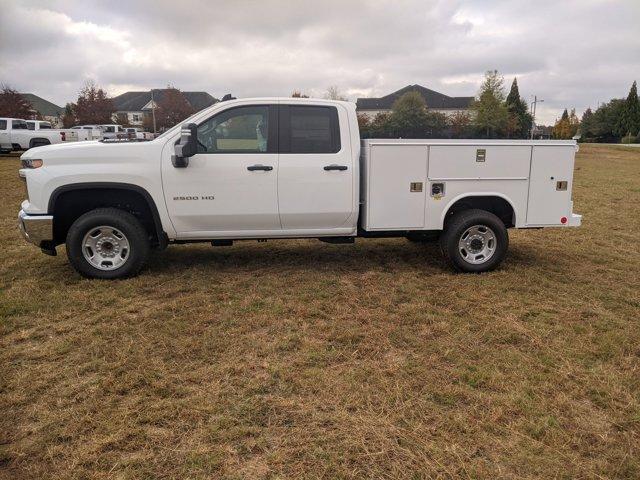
(335, 167)
(266, 168)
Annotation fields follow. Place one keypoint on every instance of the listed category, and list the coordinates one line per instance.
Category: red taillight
(63, 135)
(563, 220)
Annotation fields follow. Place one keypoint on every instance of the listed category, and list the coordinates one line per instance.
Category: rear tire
(474, 241)
(107, 243)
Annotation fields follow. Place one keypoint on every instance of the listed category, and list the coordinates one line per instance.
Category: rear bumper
(574, 220)
(36, 229)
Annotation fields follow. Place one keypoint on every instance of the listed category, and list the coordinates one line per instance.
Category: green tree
(631, 113)
(519, 119)
(491, 114)
(586, 124)
(409, 116)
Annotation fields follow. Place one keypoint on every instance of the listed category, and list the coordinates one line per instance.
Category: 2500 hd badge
(195, 197)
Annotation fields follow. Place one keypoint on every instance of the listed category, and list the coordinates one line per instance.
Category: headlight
(31, 162)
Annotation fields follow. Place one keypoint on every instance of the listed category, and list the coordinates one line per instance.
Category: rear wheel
(107, 243)
(474, 241)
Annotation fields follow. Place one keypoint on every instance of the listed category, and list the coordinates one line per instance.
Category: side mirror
(187, 146)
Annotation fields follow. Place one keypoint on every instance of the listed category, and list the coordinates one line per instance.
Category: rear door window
(309, 129)
(19, 125)
(3, 124)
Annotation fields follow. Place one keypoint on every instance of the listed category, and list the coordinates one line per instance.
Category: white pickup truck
(288, 168)
(15, 134)
(70, 134)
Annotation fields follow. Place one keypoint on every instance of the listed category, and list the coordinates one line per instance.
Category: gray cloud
(573, 53)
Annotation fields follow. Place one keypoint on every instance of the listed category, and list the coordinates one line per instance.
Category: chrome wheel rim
(477, 244)
(105, 248)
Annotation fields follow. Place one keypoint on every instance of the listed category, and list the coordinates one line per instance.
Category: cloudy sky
(572, 53)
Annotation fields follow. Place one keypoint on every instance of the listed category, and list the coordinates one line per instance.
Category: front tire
(107, 243)
(474, 241)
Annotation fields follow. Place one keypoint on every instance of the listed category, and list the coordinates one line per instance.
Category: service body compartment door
(485, 162)
(396, 187)
(550, 184)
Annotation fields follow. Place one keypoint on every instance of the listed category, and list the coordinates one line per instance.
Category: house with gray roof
(44, 109)
(136, 104)
(436, 102)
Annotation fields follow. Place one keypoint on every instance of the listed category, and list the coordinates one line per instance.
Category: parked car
(16, 135)
(289, 168)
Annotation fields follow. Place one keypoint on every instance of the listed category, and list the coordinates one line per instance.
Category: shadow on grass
(300, 254)
(388, 255)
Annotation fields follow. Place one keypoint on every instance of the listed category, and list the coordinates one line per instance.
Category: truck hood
(90, 150)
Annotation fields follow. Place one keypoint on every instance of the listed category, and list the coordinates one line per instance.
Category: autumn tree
(567, 126)
(172, 108)
(491, 114)
(461, 124)
(519, 120)
(93, 105)
(14, 105)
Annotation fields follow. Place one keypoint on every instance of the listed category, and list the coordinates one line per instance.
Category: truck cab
(288, 168)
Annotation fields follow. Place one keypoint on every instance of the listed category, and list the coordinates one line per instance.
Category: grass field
(297, 359)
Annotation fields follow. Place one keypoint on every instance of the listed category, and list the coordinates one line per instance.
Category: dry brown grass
(296, 359)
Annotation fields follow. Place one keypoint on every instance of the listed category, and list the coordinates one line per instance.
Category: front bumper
(36, 229)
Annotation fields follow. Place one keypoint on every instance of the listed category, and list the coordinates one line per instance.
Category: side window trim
(272, 133)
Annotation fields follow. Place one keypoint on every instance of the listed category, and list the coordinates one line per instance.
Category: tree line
(493, 114)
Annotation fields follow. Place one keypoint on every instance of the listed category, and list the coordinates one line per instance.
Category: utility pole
(533, 112)
(153, 113)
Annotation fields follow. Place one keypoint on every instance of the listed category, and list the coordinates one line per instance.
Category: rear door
(315, 176)
(550, 184)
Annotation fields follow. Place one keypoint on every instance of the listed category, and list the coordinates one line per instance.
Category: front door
(316, 174)
(230, 186)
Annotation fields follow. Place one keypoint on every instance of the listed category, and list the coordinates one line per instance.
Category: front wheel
(107, 243)
(474, 241)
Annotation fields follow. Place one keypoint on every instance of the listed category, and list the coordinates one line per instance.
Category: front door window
(238, 130)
